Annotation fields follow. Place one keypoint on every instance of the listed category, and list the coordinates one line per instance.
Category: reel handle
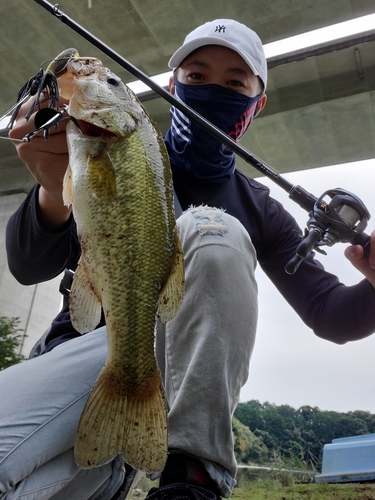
(306, 246)
(343, 219)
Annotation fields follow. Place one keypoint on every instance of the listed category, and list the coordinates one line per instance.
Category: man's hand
(366, 265)
(47, 160)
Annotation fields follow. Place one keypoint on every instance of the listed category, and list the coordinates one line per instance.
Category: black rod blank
(298, 194)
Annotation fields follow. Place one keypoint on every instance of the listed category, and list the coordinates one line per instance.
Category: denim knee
(202, 226)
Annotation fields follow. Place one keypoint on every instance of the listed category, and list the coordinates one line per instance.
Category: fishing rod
(342, 219)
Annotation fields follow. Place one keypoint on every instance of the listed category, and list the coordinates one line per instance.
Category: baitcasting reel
(343, 219)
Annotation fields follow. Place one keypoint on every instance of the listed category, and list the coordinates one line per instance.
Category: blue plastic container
(348, 459)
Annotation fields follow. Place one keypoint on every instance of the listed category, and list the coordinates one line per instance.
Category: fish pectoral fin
(114, 422)
(172, 293)
(68, 187)
(85, 306)
(101, 175)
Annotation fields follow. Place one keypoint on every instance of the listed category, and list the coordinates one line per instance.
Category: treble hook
(44, 119)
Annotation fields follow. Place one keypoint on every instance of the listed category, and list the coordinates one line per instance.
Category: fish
(131, 267)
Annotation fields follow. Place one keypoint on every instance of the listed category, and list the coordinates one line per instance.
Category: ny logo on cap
(220, 29)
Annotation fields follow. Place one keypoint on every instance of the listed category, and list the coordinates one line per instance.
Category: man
(204, 352)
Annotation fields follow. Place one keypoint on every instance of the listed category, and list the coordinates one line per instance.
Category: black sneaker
(181, 491)
(183, 478)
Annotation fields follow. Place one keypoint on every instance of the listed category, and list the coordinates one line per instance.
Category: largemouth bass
(119, 185)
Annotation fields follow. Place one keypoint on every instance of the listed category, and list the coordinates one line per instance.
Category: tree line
(265, 432)
(10, 340)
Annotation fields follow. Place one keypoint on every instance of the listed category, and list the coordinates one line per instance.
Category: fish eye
(113, 81)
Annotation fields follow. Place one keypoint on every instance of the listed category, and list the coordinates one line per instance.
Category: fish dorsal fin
(68, 187)
(85, 306)
(101, 175)
(172, 293)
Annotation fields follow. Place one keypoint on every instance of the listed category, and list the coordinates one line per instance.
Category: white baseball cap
(228, 33)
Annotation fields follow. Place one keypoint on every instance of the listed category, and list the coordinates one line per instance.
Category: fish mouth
(90, 130)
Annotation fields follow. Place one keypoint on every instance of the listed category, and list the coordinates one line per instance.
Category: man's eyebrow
(197, 62)
(237, 70)
(202, 64)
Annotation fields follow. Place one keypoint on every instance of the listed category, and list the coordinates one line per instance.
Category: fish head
(100, 102)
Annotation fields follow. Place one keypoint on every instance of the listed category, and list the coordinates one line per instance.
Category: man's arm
(41, 237)
(35, 253)
(47, 161)
(332, 310)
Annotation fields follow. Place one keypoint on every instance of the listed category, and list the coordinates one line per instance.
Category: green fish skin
(120, 187)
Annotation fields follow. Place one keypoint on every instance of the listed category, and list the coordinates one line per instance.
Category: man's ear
(260, 105)
(171, 85)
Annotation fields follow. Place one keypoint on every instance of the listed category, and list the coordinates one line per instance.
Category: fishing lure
(43, 85)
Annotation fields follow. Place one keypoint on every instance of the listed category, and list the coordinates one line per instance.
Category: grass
(273, 490)
(282, 486)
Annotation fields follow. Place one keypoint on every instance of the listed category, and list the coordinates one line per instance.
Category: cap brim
(183, 52)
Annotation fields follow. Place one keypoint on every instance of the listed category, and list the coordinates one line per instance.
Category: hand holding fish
(109, 165)
(47, 161)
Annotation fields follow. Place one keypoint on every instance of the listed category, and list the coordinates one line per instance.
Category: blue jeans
(203, 353)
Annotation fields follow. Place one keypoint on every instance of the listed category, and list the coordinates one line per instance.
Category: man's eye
(235, 83)
(196, 76)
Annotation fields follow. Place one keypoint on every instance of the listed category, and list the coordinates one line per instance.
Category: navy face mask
(194, 149)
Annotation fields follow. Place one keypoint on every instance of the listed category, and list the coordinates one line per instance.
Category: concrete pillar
(35, 305)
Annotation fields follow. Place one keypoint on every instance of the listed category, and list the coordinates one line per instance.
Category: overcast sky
(290, 365)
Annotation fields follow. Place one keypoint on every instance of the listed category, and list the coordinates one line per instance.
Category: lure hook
(45, 119)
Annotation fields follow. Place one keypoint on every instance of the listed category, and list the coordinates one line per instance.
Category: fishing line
(329, 222)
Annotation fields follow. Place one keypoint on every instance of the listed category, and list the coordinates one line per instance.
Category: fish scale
(120, 187)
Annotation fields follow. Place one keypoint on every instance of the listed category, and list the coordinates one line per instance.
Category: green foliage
(247, 447)
(9, 342)
(295, 438)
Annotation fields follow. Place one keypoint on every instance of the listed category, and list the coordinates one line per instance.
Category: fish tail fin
(113, 423)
